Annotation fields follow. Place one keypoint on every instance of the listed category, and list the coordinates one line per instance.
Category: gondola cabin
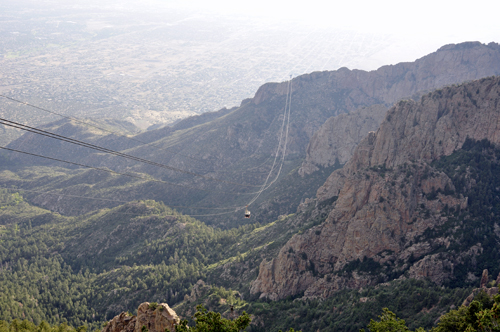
(247, 213)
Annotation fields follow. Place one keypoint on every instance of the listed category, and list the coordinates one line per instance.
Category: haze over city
(154, 62)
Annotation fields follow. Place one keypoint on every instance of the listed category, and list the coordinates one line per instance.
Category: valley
(386, 196)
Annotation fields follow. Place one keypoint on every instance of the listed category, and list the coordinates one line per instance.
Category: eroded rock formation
(490, 291)
(159, 318)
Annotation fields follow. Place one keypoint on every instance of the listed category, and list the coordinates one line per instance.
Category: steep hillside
(396, 213)
(238, 146)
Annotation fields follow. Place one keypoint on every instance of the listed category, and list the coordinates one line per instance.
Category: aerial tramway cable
(112, 152)
(78, 120)
(125, 174)
(81, 121)
(284, 129)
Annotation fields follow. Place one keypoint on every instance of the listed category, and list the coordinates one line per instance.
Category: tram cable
(286, 117)
(81, 121)
(123, 174)
(112, 152)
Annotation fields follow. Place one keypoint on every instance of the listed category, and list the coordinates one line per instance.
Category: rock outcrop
(121, 323)
(384, 192)
(159, 318)
(490, 291)
(484, 279)
(336, 139)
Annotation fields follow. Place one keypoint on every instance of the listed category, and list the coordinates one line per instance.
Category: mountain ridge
(238, 145)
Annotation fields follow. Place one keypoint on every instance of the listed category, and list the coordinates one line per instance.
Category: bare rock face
(385, 199)
(121, 323)
(336, 139)
(156, 320)
(484, 279)
(432, 267)
(159, 319)
(426, 130)
(490, 291)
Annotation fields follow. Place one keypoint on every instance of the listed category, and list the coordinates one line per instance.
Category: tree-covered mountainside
(409, 223)
(28, 326)
(84, 270)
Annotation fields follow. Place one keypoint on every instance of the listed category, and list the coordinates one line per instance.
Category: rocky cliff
(388, 196)
(338, 136)
(347, 90)
(156, 318)
(336, 139)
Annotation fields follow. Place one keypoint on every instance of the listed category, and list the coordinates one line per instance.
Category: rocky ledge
(155, 317)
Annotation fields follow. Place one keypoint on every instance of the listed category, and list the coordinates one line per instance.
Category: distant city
(154, 68)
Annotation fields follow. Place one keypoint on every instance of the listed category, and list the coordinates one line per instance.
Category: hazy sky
(442, 18)
(418, 27)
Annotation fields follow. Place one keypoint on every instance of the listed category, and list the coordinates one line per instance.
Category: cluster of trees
(475, 172)
(209, 321)
(28, 326)
(482, 314)
(46, 289)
